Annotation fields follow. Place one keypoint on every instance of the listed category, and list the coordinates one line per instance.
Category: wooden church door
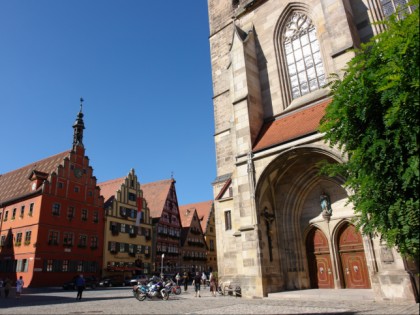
(353, 260)
(319, 260)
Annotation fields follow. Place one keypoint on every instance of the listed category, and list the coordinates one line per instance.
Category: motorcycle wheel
(165, 296)
(140, 296)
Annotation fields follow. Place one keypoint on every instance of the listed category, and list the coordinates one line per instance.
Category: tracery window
(391, 6)
(303, 55)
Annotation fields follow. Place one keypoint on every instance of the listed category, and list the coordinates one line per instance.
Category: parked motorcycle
(155, 288)
(172, 287)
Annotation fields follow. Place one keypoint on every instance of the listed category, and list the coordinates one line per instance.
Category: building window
(65, 266)
(303, 56)
(18, 241)
(131, 196)
(6, 214)
(56, 209)
(22, 211)
(67, 239)
(79, 266)
(60, 185)
(28, 235)
(84, 214)
(71, 212)
(90, 193)
(211, 245)
(14, 213)
(122, 228)
(391, 6)
(53, 237)
(31, 209)
(49, 265)
(95, 216)
(76, 189)
(228, 220)
(3, 240)
(82, 241)
(94, 242)
(22, 265)
(122, 247)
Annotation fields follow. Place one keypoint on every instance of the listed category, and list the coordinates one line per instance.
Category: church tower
(280, 224)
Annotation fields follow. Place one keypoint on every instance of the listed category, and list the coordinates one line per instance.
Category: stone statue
(325, 204)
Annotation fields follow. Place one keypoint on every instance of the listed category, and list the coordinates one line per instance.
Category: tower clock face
(78, 172)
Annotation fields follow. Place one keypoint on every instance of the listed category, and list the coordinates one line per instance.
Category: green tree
(374, 119)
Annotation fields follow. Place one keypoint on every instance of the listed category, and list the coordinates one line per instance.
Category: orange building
(51, 218)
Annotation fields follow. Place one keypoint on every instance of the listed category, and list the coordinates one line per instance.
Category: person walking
(213, 284)
(204, 279)
(196, 283)
(177, 278)
(7, 286)
(19, 287)
(80, 284)
(185, 278)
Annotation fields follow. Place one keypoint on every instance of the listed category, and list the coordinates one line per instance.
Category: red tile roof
(17, 183)
(186, 216)
(291, 126)
(203, 211)
(110, 187)
(156, 194)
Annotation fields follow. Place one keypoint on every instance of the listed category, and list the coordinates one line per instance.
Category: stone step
(326, 294)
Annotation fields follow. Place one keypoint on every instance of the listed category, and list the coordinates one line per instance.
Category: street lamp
(161, 266)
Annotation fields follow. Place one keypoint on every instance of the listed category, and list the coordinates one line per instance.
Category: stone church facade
(280, 224)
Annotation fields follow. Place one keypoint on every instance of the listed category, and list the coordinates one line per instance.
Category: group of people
(197, 281)
(6, 285)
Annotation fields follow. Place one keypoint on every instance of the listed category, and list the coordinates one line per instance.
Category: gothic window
(303, 56)
(228, 220)
(391, 6)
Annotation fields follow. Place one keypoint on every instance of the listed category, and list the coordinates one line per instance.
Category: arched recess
(352, 259)
(291, 186)
(319, 260)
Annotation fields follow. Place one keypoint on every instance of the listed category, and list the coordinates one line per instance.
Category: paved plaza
(121, 301)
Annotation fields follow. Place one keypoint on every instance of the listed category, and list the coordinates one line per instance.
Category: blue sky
(143, 69)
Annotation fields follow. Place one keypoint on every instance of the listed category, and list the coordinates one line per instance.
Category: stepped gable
(17, 183)
(203, 211)
(156, 194)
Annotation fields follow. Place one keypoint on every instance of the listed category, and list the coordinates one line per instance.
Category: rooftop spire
(78, 127)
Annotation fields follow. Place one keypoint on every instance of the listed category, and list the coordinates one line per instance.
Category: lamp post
(161, 266)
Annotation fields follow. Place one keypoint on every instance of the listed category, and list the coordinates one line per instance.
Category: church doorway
(352, 258)
(319, 260)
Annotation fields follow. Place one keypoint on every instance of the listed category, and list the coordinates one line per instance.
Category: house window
(94, 242)
(303, 56)
(3, 240)
(95, 216)
(391, 6)
(18, 239)
(14, 213)
(228, 220)
(211, 245)
(22, 211)
(60, 185)
(122, 228)
(6, 214)
(53, 238)
(122, 247)
(56, 209)
(131, 197)
(84, 214)
(65, 266)
(71, 212)
(28, 235)
(76, 189)
(49, 265)
(31, 209)
(68, 239)
(22, 265)
(79, 266)
(82, 240)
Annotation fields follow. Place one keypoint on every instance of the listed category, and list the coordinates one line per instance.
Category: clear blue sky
(143, 69)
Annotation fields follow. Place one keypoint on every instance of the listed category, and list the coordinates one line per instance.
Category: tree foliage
(374, 119)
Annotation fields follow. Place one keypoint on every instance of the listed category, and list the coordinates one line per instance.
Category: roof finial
(172, 175)
(81, 103)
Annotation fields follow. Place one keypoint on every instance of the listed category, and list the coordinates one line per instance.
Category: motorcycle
(155, 288)
(172, 287)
